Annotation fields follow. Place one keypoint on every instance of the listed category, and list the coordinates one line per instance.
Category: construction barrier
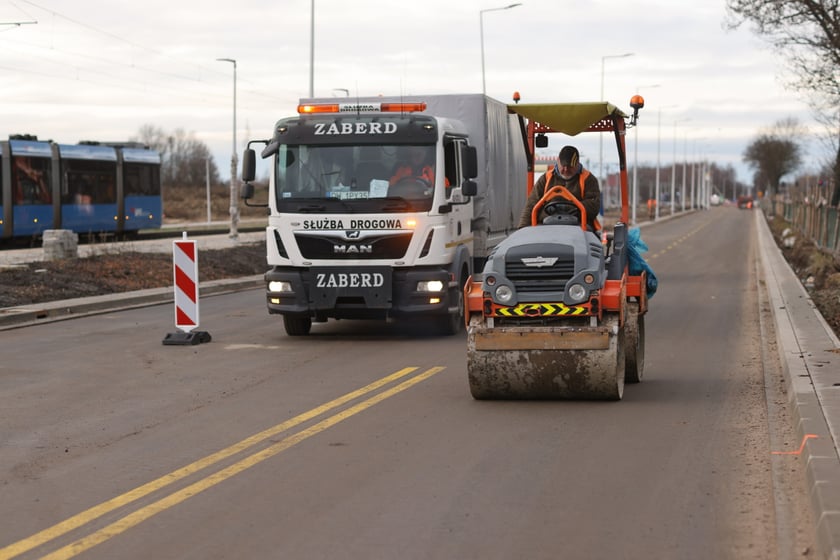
(185, 279)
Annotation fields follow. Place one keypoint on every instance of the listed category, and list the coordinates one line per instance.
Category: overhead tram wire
(203, 69)
(248, 95)
(122, 64)
(109, 34)
(31, 48)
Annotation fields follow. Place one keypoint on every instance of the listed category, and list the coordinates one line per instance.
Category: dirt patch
(818, 270)
(119, 272)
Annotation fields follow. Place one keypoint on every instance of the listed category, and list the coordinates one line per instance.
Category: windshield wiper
(327, 202)
(312, 208)
(396, 205)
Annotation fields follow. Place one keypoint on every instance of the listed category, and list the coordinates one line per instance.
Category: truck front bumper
(359, 292)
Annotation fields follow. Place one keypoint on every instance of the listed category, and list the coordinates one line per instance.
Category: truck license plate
(371, 284)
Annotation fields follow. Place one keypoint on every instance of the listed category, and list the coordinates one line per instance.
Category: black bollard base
(186, 338)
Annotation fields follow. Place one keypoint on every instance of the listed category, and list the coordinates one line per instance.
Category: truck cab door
(459, 186)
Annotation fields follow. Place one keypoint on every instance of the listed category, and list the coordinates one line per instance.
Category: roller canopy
(568, 118)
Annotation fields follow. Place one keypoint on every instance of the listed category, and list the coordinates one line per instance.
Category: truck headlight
(576, 293)
(279, 286)
(504, 294)
(430, 286)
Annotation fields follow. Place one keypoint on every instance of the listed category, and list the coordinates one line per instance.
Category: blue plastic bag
(636, 262)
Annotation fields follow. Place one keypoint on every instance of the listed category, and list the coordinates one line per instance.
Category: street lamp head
(649, 86)
(508, 7)
(227, 60)
(625, 55)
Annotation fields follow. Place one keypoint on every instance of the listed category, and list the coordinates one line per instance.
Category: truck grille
(369, 248)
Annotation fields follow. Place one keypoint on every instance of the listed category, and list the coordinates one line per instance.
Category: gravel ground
(818, 271)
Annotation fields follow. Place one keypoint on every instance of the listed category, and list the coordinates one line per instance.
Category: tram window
(89, 182)
(31, 180)
(142, 179)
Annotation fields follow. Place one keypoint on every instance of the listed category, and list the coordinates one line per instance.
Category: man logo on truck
(352, 249)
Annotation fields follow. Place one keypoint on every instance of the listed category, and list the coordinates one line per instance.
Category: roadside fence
(815, 219)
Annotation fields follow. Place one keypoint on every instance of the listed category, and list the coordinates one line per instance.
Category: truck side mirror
(249, 166)
(246, 191)
(469, 188)
(469, 157)
(541, 141)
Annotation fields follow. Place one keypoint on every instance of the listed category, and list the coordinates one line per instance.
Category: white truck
(349, 238)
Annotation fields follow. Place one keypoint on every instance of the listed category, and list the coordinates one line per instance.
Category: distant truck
(350, 237)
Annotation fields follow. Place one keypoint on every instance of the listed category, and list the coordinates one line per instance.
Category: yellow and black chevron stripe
(541, 310)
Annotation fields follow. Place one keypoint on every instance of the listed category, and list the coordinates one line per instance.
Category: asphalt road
(362, 440)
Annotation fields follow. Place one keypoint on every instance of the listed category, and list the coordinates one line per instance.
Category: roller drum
(635, 339)
(546, 362)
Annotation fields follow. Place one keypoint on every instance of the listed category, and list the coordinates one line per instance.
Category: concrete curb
(40, 313)
(808, 353)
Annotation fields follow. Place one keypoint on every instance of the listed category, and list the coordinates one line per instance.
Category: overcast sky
(99, 70)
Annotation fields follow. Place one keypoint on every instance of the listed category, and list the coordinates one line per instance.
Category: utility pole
(234, 190)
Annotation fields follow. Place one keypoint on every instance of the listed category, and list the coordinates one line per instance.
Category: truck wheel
(635, 352)
(452, 324)
(297, 325)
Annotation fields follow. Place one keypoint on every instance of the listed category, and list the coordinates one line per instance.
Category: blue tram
(89, 187)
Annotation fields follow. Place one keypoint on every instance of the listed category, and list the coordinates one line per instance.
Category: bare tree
(774, 154)
(184, 159)
(807, 35)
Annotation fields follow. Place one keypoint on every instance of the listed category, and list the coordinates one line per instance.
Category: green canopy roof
(568, 118)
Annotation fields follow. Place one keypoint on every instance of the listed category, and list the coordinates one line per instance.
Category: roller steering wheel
(560, 210)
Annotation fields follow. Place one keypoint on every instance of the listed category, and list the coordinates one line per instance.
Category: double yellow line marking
(140, 515)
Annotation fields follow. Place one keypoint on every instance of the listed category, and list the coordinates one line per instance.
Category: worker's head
(567, 162)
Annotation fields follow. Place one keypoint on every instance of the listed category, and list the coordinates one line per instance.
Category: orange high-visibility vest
(583, 176)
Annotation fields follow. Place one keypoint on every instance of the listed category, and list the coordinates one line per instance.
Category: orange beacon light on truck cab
(361, 108)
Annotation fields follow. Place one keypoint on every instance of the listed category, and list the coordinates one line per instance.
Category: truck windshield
(366, 178)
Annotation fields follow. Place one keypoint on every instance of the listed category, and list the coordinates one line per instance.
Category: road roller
(555, 313)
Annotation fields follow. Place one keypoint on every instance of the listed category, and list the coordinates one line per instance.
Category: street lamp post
(658, 151)
(481, 26)
(311, 49)
(685, 163)
(234, 191)
(674, 165)
(635, 197)
(601, 136)
(658, 147)
(696, 168)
